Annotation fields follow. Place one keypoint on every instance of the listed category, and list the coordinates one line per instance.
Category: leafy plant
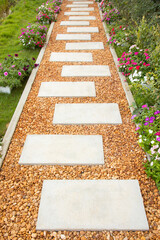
(34, 36)
(13, 70)
(46, 14)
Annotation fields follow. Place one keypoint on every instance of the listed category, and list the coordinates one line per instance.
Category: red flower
(138, 67)
(112, 29)
(114, 33)
(130, 68)
(120, 27)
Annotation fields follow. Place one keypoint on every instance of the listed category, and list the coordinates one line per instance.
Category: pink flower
(144, 106)
(136, 53)
(158, 139)
(130, 68)
(137, 128)
(147, 57)
(147, 65)
(137, 67)
(19, 73)
(5, 73)
(13, 66)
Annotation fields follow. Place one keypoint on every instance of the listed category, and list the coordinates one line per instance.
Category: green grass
(23, 13)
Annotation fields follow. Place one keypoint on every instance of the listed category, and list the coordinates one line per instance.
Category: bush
(148, 122)
(14, 70)
(34, 36)
(46, 14)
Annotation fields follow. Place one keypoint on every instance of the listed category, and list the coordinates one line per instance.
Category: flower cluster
(34, 36)
(46, 14)
(148, 128)
(111, 15)
(135, 64)
(13, 70)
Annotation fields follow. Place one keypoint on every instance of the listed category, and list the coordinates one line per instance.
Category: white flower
(145, 139)
(151, 164)
(0, 148)
(140, 140)
(152, 142)
(140, 136)
(150, 131)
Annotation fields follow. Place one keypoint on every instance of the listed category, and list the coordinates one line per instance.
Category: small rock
(34, 235)
(83, 238)
(63, 236)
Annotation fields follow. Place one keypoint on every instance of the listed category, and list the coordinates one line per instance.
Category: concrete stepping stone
(87, 113)
(82, 18)
(91, 205)
(75, 5)
(82, 9)
(71, 57)
(83, 29)
(84, 46)
(67, 89)
(62, 150)
(74, 23)
(85, 71)
(84, 2)
(73, 37)
(76, 13)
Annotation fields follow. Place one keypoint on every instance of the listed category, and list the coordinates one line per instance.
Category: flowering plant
(121, 36)
(111, 16)
(34, 36)
(14, 70)
(135, 64)
(148, 129)
(46, 14)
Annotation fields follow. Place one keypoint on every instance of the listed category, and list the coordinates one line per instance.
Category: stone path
(74, 143)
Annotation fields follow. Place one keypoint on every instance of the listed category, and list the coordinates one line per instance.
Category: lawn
(23, 13)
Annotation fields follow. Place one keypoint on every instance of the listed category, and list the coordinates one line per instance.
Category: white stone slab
(82, 18)
(92, 205)
(84, 46)
(67, 89)
(82, 9)
(85, 71)
(71, 57)
(76, 13)
(62, 150)
(72, 5)
(84, 2)
(83, 29)
(73, 37)
(74, 23)
(87, 113)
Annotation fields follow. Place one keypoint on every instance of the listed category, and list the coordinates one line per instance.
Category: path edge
(15, 118)
(125, 85)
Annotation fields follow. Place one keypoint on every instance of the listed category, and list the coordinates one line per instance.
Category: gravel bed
(20, 186)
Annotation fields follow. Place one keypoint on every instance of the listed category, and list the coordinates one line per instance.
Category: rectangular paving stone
(71, 57)
(76, 13)
(84, 46)
(74, 23)
(87, 113)
(84, 2)
(62, 150)
(82, 18)
(91, 205)
(75, 5)
(83, 29)
(85, 71)
(82, 9)
(73, 37)
(67, 89)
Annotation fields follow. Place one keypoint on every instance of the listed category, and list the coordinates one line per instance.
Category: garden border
(13, 123)
(125, 85)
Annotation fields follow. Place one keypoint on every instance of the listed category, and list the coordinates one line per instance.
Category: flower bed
(139, 62)
(13, 70)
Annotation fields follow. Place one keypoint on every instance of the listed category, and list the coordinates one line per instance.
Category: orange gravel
(20, 186)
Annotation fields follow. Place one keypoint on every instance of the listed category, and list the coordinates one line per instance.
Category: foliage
(134, 10)
(148, 129)
(33, 36)
(13, 70)
(46, 14)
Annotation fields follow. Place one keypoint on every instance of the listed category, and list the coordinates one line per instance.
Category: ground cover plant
(135, 34)
(10, 29)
